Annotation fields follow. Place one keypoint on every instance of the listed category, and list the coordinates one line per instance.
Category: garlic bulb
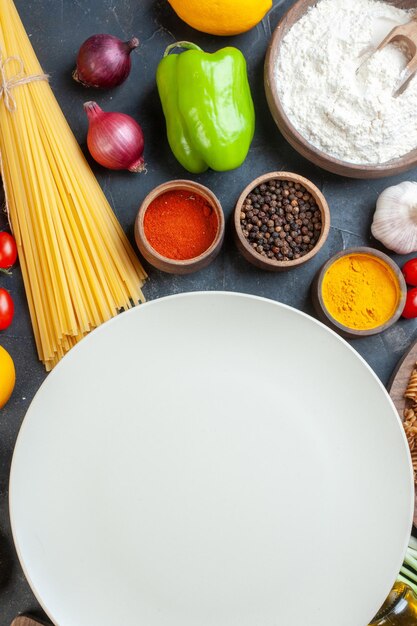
(395, 218)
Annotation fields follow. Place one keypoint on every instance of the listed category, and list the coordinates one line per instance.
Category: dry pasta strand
(78, 267)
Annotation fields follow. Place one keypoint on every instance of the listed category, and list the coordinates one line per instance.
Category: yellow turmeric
(360, 291)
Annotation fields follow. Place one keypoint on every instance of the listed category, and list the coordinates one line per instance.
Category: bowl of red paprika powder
(179, 228)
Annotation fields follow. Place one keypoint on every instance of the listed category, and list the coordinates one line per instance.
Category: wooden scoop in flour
(405, 37)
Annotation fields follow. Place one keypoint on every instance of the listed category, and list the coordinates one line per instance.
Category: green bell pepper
(207, 105)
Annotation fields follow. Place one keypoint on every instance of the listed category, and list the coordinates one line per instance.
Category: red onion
(104, 61)
(115, 140)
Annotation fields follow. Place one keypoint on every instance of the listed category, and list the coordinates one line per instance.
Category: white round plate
(211, 459)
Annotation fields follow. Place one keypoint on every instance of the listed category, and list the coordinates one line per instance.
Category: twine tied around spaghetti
(20, 78)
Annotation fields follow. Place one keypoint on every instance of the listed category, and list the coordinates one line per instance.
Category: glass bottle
(399, 609)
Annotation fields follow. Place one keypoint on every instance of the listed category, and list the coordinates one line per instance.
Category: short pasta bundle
(78, 266)
(410, 418)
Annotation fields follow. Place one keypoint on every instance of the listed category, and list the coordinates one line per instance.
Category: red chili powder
(180, 225)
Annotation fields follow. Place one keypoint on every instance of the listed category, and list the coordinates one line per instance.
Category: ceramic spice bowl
(286, 232)
(167, 239)
(290, 133)
(359, 292)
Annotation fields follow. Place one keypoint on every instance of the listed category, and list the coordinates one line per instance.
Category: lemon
(7, 376)
(221, 17)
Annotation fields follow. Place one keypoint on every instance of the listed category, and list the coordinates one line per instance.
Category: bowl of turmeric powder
(179, 228)
(359, 292)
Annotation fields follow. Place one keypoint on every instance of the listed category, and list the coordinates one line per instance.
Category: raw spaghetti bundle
(78, 266)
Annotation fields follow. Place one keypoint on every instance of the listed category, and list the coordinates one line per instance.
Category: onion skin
(104, 62)
(115, 140)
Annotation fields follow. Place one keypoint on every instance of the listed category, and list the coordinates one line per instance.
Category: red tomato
(6, 309)
(410, 272)
(8, 250)
(410, 309)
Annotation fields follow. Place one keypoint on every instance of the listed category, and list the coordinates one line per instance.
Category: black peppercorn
(281, 220)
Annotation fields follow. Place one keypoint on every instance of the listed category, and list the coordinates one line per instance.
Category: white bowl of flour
(332, 96)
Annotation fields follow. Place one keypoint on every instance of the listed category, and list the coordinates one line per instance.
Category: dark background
(57, 28)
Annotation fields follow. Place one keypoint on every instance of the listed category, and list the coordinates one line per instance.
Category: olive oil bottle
(399, 609)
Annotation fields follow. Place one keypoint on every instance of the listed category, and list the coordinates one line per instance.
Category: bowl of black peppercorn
(281, 221)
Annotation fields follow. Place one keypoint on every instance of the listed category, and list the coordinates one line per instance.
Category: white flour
(348, 114)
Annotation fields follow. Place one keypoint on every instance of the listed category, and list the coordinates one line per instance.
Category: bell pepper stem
(185, 45)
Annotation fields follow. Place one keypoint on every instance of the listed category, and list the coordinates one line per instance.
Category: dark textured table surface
(57, 28)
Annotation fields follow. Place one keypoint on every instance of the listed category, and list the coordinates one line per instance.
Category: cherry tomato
(7, 376)
(410, 272)
(410, 309)
(8, 250)
(6, 309)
